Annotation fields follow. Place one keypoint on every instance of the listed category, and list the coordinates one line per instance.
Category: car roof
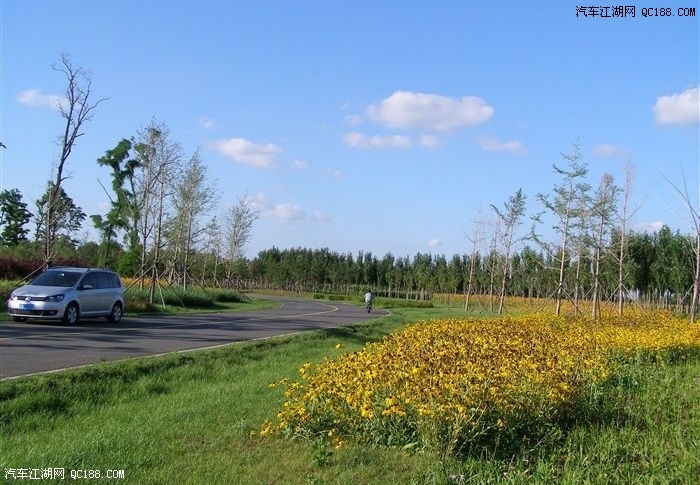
(77, 269)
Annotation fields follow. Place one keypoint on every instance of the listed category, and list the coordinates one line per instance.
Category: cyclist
(368, 301)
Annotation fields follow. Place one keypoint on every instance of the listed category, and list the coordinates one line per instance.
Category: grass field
(188, 419)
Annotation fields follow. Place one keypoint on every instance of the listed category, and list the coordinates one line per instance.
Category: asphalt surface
(41, 346)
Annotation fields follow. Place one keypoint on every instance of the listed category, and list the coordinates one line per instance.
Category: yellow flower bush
(458, 383)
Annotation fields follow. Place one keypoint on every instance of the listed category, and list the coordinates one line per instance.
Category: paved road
(27, 348)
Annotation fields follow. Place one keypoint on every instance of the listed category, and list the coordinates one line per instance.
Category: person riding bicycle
(368, 301)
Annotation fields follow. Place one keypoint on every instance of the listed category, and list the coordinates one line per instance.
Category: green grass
(186, 418)
(170, 300)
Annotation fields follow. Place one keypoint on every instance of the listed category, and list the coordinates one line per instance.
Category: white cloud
(430, 141)
(679, 108)
(649, 226)
(430, 112)
(286, 212)
(271, 210)
(358, 140)
(245, 151)
(258, 202)
(32, 97)
(321, 216)
(608, 150)
(434, 243)
(207, 123)
(495, 145)
(299, 164)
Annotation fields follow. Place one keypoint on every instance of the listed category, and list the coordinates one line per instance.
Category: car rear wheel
(116, 314)
(72, 314)
(19, 319)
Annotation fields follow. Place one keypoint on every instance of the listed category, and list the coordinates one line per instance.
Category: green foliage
(66, 217)
(128, 263)
(123, 211)
(137, 299)
(402, 303)
(13, 217)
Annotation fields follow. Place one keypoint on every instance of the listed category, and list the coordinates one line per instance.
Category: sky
(378, 126)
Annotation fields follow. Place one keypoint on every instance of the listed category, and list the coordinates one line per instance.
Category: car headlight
(54, 298)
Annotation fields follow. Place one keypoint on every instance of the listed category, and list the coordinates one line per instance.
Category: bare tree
(511, 217)
(76, 109)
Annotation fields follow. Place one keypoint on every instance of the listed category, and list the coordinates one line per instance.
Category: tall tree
(212, 249)
(581, 238)
(625, 213)
(238, 232)
(602, 212)
(511, 217)
(159, 161)
(693, 221)
(562, 206)
(76, 109)
(122, 209)
(65, 220)
(493, 258)
(193, 198)
(13, 217)
(476, 239)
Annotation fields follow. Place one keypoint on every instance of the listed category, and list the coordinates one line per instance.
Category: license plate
(26, 306)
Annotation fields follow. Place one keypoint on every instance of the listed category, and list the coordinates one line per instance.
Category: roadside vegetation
(197, 417)
(585, 399)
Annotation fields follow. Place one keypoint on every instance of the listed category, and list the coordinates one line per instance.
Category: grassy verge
(187, 418)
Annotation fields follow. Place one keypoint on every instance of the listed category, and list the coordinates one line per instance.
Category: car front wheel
(116, 315)
(72, 314)
(19, 319)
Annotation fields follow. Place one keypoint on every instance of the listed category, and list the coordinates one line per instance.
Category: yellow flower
(466, 371)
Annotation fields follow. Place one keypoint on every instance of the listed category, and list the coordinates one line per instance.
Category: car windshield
(63, 279)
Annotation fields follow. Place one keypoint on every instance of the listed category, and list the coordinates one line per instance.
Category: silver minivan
(67, 294)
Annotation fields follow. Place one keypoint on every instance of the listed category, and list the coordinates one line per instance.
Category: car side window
(103, 280)
(90, 280)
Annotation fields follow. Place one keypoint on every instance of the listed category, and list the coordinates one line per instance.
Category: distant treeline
(658, 270)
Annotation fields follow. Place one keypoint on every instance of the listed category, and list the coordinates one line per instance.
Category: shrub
(137, 299)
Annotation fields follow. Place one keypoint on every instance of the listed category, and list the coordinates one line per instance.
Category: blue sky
(376, 126)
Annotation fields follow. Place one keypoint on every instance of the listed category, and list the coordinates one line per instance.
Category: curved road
(42, 346)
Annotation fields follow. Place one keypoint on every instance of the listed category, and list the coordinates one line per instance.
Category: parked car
(68, 294)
